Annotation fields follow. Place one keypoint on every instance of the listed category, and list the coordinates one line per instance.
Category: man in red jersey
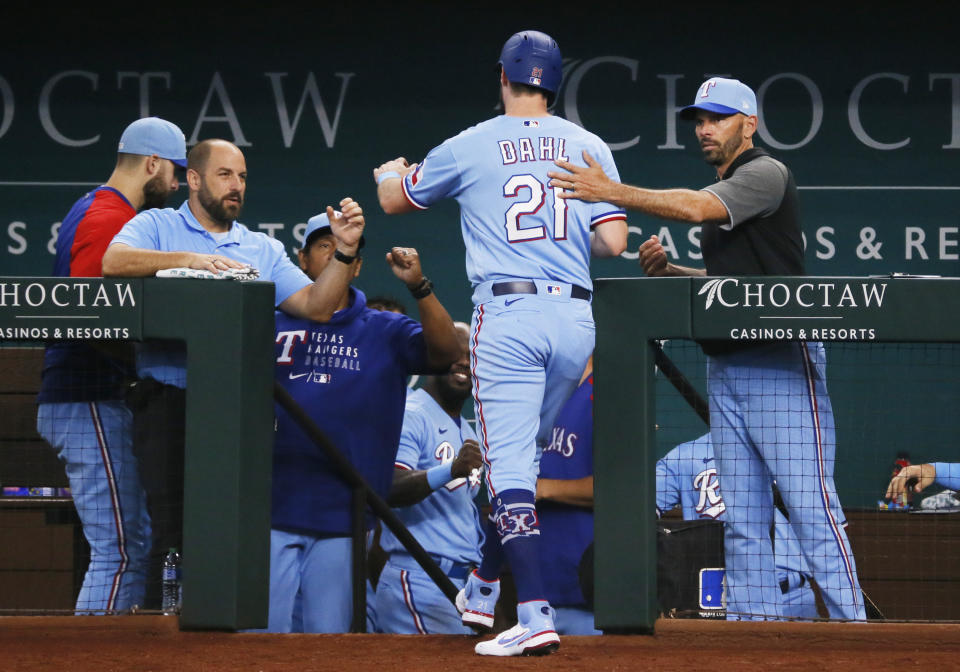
(81, 408)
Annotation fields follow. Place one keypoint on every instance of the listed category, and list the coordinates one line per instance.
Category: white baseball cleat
(534, 635)
(477, 601)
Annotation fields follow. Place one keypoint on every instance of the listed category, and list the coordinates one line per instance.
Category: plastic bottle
(170, 583)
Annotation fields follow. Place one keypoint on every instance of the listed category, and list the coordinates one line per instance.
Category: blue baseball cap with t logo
(153, 135)
(722, 96)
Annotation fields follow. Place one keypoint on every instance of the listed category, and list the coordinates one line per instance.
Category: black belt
(527, 287)
(785, 584)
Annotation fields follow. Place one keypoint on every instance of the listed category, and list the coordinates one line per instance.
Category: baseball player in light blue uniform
(436, 478)
(770, 413)
(527, 258)
(687, 476)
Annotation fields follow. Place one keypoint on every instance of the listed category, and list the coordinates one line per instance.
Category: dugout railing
(632, 314)
(229, 400)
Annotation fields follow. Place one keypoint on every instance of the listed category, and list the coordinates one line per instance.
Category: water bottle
(170, 583)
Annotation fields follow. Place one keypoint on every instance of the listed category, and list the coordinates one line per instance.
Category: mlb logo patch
(321, 377)
(532, 123)
(712, 595)
(536, 74)
(556, 290)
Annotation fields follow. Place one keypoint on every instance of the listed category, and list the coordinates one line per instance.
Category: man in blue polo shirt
(203, 234)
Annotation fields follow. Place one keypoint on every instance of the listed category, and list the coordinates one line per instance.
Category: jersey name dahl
(532, 149)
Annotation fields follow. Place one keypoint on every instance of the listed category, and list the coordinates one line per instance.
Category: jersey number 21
(538, 193)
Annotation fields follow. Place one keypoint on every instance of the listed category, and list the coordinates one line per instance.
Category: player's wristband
(345, 258)
(388, 175)
(423, 290)
(440, 475)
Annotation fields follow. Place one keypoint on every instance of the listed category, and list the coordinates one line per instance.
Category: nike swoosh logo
(299, 375)
(707, 459)
(508, 642)
(512, 301)
(442, 430)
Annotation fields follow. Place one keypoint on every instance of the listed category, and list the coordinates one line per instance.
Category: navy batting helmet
(533, 58)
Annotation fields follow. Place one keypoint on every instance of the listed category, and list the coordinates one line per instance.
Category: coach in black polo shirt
(770, 414)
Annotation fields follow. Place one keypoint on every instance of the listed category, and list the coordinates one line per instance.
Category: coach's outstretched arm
(591, 184)
(389, 178)
(439, 334)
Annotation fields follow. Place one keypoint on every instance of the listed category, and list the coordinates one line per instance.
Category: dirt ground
(155, 643)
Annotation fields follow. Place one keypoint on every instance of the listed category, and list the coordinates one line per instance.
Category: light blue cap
(723, 96)
(318, 223)
(153, 135)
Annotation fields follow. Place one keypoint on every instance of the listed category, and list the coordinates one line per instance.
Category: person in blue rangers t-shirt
(350, 375)
(565, 505)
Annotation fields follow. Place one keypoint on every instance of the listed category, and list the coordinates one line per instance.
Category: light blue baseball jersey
(514, 225)
(170, 230)
(447, 522)
(687, 476)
